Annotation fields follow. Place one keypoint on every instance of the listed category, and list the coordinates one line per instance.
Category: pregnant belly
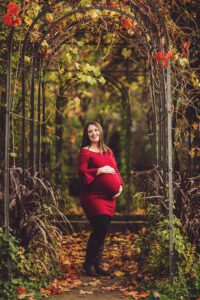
(108, 184)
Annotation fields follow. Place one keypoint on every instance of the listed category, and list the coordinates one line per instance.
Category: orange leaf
(143, 294)
(44, 291)
(195, 125)
(186, 45)
(127, 23)
(165, 63)
(159, 56)
(21, 289)
(170, 54)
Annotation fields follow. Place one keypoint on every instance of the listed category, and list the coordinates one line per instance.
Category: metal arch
(170, 146)
(35, 59)
(160, 17)
(48, 8)
(7, 142)
(169, 104)
(169, 141)
(67, 38)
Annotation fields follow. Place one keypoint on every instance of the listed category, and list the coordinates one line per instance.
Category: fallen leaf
(21, 289)
(133, 294)
(119, 273)
(82, 292)
(143, 294)
(95, 282)
(110, 288)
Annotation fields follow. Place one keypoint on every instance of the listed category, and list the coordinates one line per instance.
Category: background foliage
(99, 70)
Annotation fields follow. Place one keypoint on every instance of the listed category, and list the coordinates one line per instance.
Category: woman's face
(93, 134)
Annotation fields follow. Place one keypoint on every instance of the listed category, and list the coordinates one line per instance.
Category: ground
(127, 279)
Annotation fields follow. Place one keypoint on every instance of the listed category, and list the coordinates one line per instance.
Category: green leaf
(126, 52)
(80, 43)
(86, 2)
(96, 71)
(77, 66)
(27, 59)
(69, 57)
(91, 80)
(102, 80)
(13, 154)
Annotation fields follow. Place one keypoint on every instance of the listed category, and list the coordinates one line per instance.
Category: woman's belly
(105, 184)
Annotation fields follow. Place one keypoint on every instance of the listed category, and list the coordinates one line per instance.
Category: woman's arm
(86, 174)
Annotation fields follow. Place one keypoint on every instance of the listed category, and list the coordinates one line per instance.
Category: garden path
(127, 281)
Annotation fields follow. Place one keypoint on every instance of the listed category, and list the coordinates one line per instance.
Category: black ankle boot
(88, 265)
(89, 269)
(97, 264)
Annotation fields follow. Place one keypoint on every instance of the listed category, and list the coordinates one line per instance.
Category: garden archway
(144, 25)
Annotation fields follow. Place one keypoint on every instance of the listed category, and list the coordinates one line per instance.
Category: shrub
(154, 254)
(33, 214)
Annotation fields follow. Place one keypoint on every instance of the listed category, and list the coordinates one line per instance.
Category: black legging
(100, 225)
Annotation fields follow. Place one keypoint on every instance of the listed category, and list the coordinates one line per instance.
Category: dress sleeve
(86, 174)
(116, 168)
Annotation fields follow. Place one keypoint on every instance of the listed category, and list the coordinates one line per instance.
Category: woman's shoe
(97, 264)
(89, 269)
(101, 271)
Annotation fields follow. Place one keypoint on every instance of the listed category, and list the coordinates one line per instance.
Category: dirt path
(126, 281)
(92, 287)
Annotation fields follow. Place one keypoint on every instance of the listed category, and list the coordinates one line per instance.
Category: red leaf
(12, 20)
(21, 289)
(7, 19)
(169, 55)
(159, 56)
(71, 276)
(165, 63)
(186, 45)
(143, 294)
(127, 23)
(16, 22)
(12, 9)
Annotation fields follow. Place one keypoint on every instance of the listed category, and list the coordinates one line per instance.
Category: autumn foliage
(186, 47)
(164, 58)
(11, 17)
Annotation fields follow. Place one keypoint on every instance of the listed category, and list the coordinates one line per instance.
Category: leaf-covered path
(127, 279)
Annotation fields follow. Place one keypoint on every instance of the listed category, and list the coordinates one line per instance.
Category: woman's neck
(94, 146)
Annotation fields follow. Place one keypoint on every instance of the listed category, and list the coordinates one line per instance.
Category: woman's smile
(93, 133)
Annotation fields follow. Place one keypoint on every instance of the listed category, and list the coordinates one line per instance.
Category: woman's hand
(120, 190)
(106, 169)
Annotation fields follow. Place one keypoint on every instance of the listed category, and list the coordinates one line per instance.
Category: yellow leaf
(95, 282)
(119, 273)
(138, 250)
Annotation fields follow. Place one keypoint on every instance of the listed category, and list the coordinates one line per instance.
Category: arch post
(7, 143)
(170, 170)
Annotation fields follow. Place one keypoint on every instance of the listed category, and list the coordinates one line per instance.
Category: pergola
(150, 34)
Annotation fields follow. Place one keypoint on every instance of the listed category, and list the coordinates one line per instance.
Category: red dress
(97, 191)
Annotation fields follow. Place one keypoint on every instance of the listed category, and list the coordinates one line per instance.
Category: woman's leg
(100, 225)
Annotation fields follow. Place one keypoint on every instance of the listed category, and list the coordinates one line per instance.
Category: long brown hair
(86, 141)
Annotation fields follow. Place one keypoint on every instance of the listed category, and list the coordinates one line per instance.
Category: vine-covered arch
(149, 31)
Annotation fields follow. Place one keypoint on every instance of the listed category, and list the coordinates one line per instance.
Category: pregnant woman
(101, 183)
